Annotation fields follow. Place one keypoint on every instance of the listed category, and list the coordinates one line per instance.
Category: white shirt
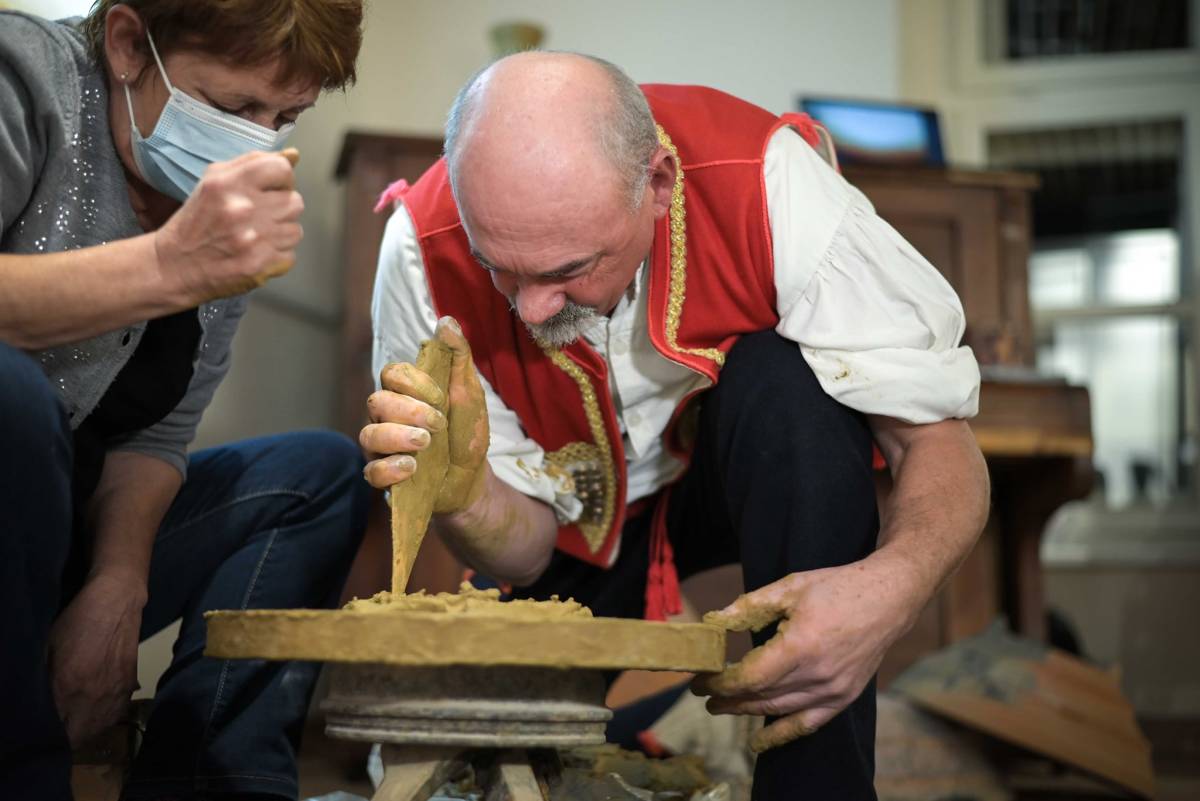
(877, 323)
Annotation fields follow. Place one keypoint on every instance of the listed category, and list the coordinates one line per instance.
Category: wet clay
(412, 500)
(680, 774)
(471, 602)
(779, 733)
(744, 616)
(536, 637)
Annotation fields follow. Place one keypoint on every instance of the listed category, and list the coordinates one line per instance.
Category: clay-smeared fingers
(762, 667)
(469, 435)
(386, 406)
(793, 727)
(758, 671)
(383, 473)
(388, 438)
(767, 703)
(756, 610)
(450, 333)
(405, 379)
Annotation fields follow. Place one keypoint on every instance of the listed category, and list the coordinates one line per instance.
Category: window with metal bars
(1037, 29)
(1113, 297)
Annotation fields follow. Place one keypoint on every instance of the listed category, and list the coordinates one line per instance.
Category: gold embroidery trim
(590, 464)
(580, 460)
(678, 287)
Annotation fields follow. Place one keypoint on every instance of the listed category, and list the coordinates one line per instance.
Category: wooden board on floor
(1039, 699)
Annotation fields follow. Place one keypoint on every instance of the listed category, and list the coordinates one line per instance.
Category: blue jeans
(272, 522)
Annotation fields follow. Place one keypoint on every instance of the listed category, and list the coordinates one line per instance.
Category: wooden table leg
(1025, 494)
(514, 779)
(414, 772)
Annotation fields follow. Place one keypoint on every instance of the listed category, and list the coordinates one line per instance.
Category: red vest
(711, 279)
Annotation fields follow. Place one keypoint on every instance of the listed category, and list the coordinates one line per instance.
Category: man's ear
(125, 45)
(663, 169)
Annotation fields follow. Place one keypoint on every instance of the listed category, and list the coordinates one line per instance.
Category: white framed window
(1056, 43)
(1115, 294)
(1108, 315)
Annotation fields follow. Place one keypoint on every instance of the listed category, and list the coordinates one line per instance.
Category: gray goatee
(564, 327)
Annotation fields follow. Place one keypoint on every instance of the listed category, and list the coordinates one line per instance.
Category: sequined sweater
(62, 187)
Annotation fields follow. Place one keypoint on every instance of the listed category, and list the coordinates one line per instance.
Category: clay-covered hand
(238, 229)
(93, 654)
(835, 625)
(404, 414)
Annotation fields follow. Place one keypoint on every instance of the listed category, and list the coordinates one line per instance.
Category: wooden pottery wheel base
(432, 686)
(426, 718)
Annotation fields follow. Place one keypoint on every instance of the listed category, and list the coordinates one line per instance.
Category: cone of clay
(412, 500)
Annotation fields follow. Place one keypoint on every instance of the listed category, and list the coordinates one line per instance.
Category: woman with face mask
(142, 195)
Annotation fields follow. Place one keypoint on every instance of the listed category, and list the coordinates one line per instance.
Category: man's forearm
(937, 507)
(504, 534)
(133, 495)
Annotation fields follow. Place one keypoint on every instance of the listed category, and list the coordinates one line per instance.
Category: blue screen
(868, 132)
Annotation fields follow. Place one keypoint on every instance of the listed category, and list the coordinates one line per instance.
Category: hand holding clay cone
(412, 500)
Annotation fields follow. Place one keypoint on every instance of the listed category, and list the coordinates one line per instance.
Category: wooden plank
(1044, 701)
(1033, 724)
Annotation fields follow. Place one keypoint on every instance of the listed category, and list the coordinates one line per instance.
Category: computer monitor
(868, 132)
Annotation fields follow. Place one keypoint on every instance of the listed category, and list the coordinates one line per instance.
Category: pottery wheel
(466, 669)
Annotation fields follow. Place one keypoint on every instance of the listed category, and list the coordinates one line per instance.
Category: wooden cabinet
(974, 227)
(367, 164)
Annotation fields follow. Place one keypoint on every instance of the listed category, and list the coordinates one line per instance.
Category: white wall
(417, 53)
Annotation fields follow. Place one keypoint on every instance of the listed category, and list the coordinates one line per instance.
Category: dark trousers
(266, 523)
(781, 482)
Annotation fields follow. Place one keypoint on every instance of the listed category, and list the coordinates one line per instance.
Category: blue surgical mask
(190, 135)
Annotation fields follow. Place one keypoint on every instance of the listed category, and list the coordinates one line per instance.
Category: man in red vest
(686, 333)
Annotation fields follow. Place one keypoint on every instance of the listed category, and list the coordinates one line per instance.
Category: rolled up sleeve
(877, 323)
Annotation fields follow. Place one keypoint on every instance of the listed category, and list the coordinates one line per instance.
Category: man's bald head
(560, 182)
(539, 116)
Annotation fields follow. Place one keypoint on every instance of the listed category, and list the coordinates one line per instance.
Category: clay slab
(433, 638)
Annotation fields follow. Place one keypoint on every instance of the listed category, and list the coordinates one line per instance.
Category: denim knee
(36, 466)
(338, 458)
(334, 463)
(33, 420)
